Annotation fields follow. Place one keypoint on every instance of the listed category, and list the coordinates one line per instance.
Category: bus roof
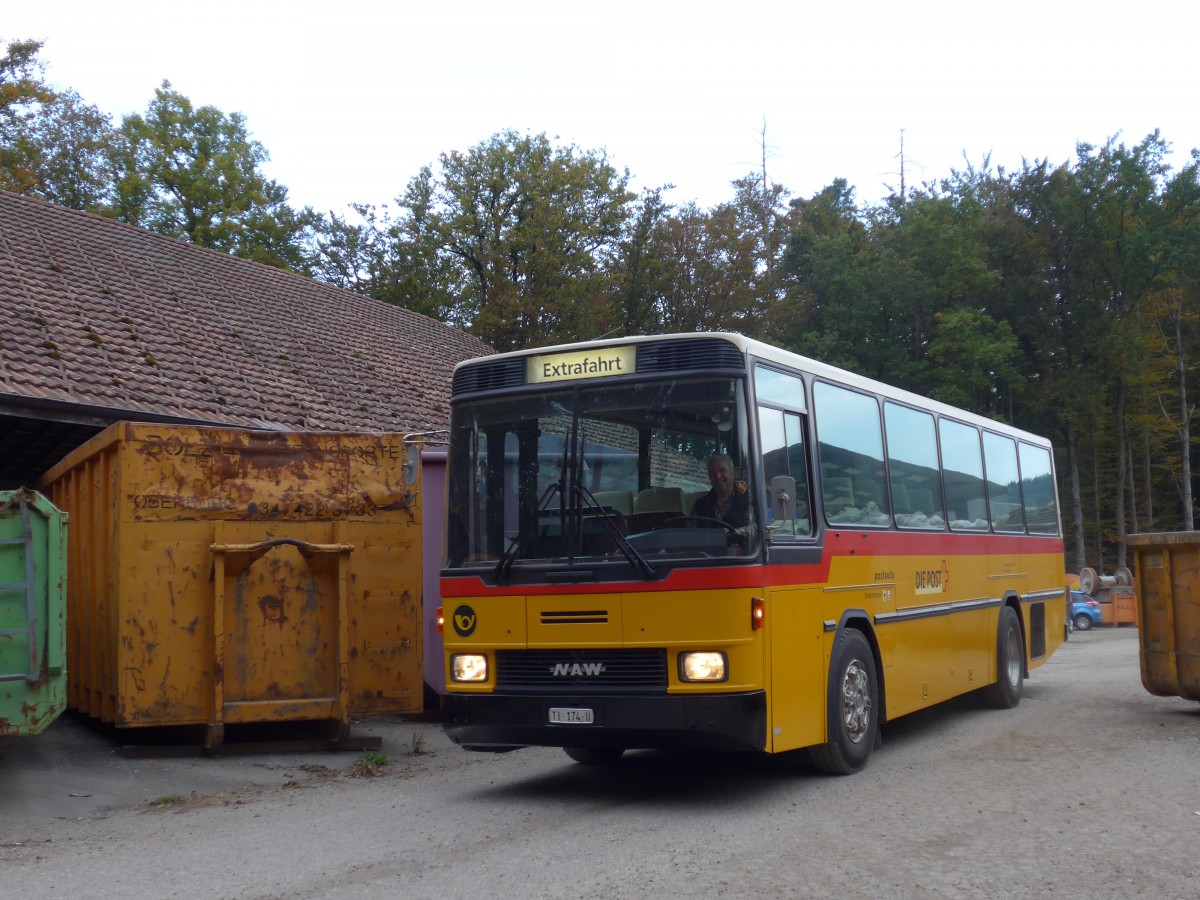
(772, 354)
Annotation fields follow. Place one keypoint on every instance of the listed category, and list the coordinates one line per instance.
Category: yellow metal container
(1168, 592)
(221, 576)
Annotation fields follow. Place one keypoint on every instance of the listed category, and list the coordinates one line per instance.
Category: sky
(352, 98)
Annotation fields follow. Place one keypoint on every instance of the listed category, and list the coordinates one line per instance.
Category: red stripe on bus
(837, 544)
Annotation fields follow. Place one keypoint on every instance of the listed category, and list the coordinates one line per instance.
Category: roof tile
(96, 312)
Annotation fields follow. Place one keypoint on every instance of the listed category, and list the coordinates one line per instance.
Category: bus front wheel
(1010, 663)
(853, 707)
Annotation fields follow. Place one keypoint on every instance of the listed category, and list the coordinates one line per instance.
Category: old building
(100, 321)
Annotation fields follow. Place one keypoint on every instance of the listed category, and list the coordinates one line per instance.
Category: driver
(729, 500)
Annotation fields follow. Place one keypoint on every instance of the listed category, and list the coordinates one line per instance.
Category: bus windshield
(603, 473)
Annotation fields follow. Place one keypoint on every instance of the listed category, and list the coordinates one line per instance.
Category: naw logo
(577, 670)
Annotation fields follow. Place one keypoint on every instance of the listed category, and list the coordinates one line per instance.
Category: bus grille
(581, 671)
(701, 353)
(488, 376)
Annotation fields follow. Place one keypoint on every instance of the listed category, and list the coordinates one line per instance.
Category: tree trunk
(1185, 426)
(1099, 522)
(1072, 443)
(1147, 487)
(1130, 468)
(1122, 470)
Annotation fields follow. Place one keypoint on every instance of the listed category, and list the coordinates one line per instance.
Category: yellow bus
(703, 541)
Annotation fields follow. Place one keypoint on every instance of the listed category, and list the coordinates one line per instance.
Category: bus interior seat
(690, 498)
(620, 501)
(659, 500)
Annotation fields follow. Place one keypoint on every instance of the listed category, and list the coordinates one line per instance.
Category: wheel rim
(1014, 655)
(856, 701)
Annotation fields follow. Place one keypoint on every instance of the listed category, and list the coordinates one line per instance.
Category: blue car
(1085, 612)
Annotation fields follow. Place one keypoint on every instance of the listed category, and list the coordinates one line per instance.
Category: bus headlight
(468, 667)
(703, 667)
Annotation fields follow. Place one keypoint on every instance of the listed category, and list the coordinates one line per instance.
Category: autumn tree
(23, 92)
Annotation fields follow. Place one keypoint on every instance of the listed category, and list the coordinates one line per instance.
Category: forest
(1062, 298)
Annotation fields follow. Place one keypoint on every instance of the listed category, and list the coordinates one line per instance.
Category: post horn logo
(464, 621)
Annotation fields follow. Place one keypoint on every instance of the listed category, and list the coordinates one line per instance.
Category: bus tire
(853, 707)
(1010, 663)
(594, 756)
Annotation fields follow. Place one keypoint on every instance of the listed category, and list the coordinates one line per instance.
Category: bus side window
(1003, 483)
(962, 466)
(916, 477)
(1037, 489)
(850, 443)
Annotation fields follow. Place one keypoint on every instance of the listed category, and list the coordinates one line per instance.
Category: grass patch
(416, 744)
(368, 765)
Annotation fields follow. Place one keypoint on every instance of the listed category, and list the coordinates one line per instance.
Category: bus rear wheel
(1010, 663)
(853, 707)
(594, 756)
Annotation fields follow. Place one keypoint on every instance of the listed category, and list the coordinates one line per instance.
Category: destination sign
(599, 363)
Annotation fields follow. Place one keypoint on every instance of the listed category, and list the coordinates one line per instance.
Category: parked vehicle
(1085, 612)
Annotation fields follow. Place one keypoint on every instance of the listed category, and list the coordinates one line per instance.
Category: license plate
(560, 715)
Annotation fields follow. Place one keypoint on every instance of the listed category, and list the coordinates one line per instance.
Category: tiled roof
(98, 315)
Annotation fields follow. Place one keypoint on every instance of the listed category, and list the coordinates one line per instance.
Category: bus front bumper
(506, 721)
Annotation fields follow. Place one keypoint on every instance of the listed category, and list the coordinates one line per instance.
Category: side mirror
(783, 499)
(411, 465)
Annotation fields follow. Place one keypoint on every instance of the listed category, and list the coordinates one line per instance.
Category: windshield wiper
(630, 552)
(525, 532)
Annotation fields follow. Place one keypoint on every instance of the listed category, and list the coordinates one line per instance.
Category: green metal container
(33, 581)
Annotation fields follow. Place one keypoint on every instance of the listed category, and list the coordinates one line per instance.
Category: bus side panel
(796, 714)
(938, 657)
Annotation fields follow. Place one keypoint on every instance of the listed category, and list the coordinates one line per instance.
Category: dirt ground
(1089, 788)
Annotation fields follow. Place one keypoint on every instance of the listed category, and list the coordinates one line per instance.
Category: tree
(388, 259)
(828, 276)
(194, 173)
(532, 230)
(1122, 264)
(74, 148)
(22, 93)
(1177, 310)
(642, 276)
(976, 357)
(708, 272)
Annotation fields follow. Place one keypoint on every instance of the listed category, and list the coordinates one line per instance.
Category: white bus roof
(787, 359)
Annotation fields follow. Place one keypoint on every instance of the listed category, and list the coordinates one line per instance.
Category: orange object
(1124, 607)
(220, 576)
(1168, 611)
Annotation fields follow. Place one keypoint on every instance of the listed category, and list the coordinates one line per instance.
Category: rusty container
(222, 576)
(1168, 612)
(33, 674)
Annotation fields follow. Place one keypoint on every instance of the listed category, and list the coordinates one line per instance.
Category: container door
(281, 609)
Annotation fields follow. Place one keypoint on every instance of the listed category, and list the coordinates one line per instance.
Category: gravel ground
(1090, 788)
